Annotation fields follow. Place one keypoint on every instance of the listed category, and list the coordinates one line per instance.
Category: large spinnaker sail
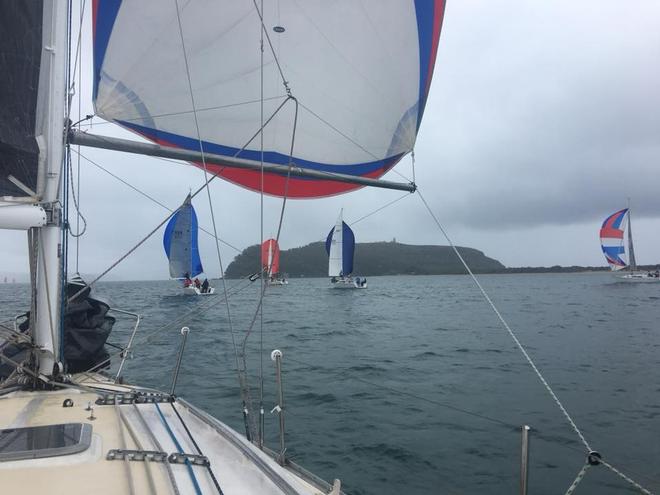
(180, 243)
(611, 240)
(340, 246)
(21, 106)
(270, 257)
(360, 72)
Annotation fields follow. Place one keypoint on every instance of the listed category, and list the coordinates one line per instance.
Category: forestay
(611, 240)
(360, 72)
(180, 242)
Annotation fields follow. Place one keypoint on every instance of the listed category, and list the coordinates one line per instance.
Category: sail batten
(361, 72)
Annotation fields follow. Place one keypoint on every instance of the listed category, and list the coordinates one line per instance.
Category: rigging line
(272, 49)
(158, 446)
(138, 444)
(339, 132)
(625, 478)
(79, 215)
(507, 327)
(77, 203)
(208, 190)
(259, 309)
(407, 195)
(151, 198)
(199, 451)
(185, 112)
(193, 478)
(200, 189)
(261, 225)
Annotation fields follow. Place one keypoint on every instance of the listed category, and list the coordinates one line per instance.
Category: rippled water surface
(413, 386)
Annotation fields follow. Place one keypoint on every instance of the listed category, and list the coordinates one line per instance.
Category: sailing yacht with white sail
(206, 84)
(612, 244)
(340, 246)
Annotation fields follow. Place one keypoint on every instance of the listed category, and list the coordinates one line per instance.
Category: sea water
(413, 386)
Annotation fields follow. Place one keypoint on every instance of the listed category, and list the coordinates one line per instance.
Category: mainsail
(611, 240)
(180, 242)
(352, 79)
(20, 65)
(270, 257)
(340, 246)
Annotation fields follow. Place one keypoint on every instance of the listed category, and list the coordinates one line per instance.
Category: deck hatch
(36, 442)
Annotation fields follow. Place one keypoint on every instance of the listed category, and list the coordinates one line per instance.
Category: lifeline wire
(524, 352)
(506, 325)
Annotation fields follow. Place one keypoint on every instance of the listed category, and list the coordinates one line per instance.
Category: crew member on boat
(187, 282)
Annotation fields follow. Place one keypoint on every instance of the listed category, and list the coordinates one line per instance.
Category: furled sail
(611, 240)
(270, 257)
(340, 246)
(20, 66)
(180, 242)
(359, 71)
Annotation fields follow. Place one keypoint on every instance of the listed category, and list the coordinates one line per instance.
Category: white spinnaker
(335, 259)
(355, 64)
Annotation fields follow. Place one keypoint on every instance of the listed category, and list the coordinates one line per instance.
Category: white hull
(126, 421)
(347, 283)
(194, 291)
(277, 282)
(638, 277)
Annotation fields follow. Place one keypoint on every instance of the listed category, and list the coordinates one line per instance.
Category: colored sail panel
(180, 243)
(359, 71)
(20, 66)
(270, 257)
(340, 246)
(611, 239)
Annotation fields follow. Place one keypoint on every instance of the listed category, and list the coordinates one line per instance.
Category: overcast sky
(543, 118)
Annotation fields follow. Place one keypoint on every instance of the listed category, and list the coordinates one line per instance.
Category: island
(371, 258)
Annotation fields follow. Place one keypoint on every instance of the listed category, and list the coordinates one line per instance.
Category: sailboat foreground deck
(139, 441)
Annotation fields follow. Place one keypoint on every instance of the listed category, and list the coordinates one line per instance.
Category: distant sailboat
(182, 250)
(270, 263)
(340, 246)
(612, 244)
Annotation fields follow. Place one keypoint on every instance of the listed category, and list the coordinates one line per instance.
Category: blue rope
(198, 490)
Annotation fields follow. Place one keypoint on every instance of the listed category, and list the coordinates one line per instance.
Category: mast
(632, 262)
(46, 324)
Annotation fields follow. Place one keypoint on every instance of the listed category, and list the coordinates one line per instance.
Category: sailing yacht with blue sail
(203, 82)
(340, 246)
(182, 250)
(613, 246)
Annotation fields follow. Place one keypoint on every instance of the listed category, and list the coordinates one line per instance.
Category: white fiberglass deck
(238, 466)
